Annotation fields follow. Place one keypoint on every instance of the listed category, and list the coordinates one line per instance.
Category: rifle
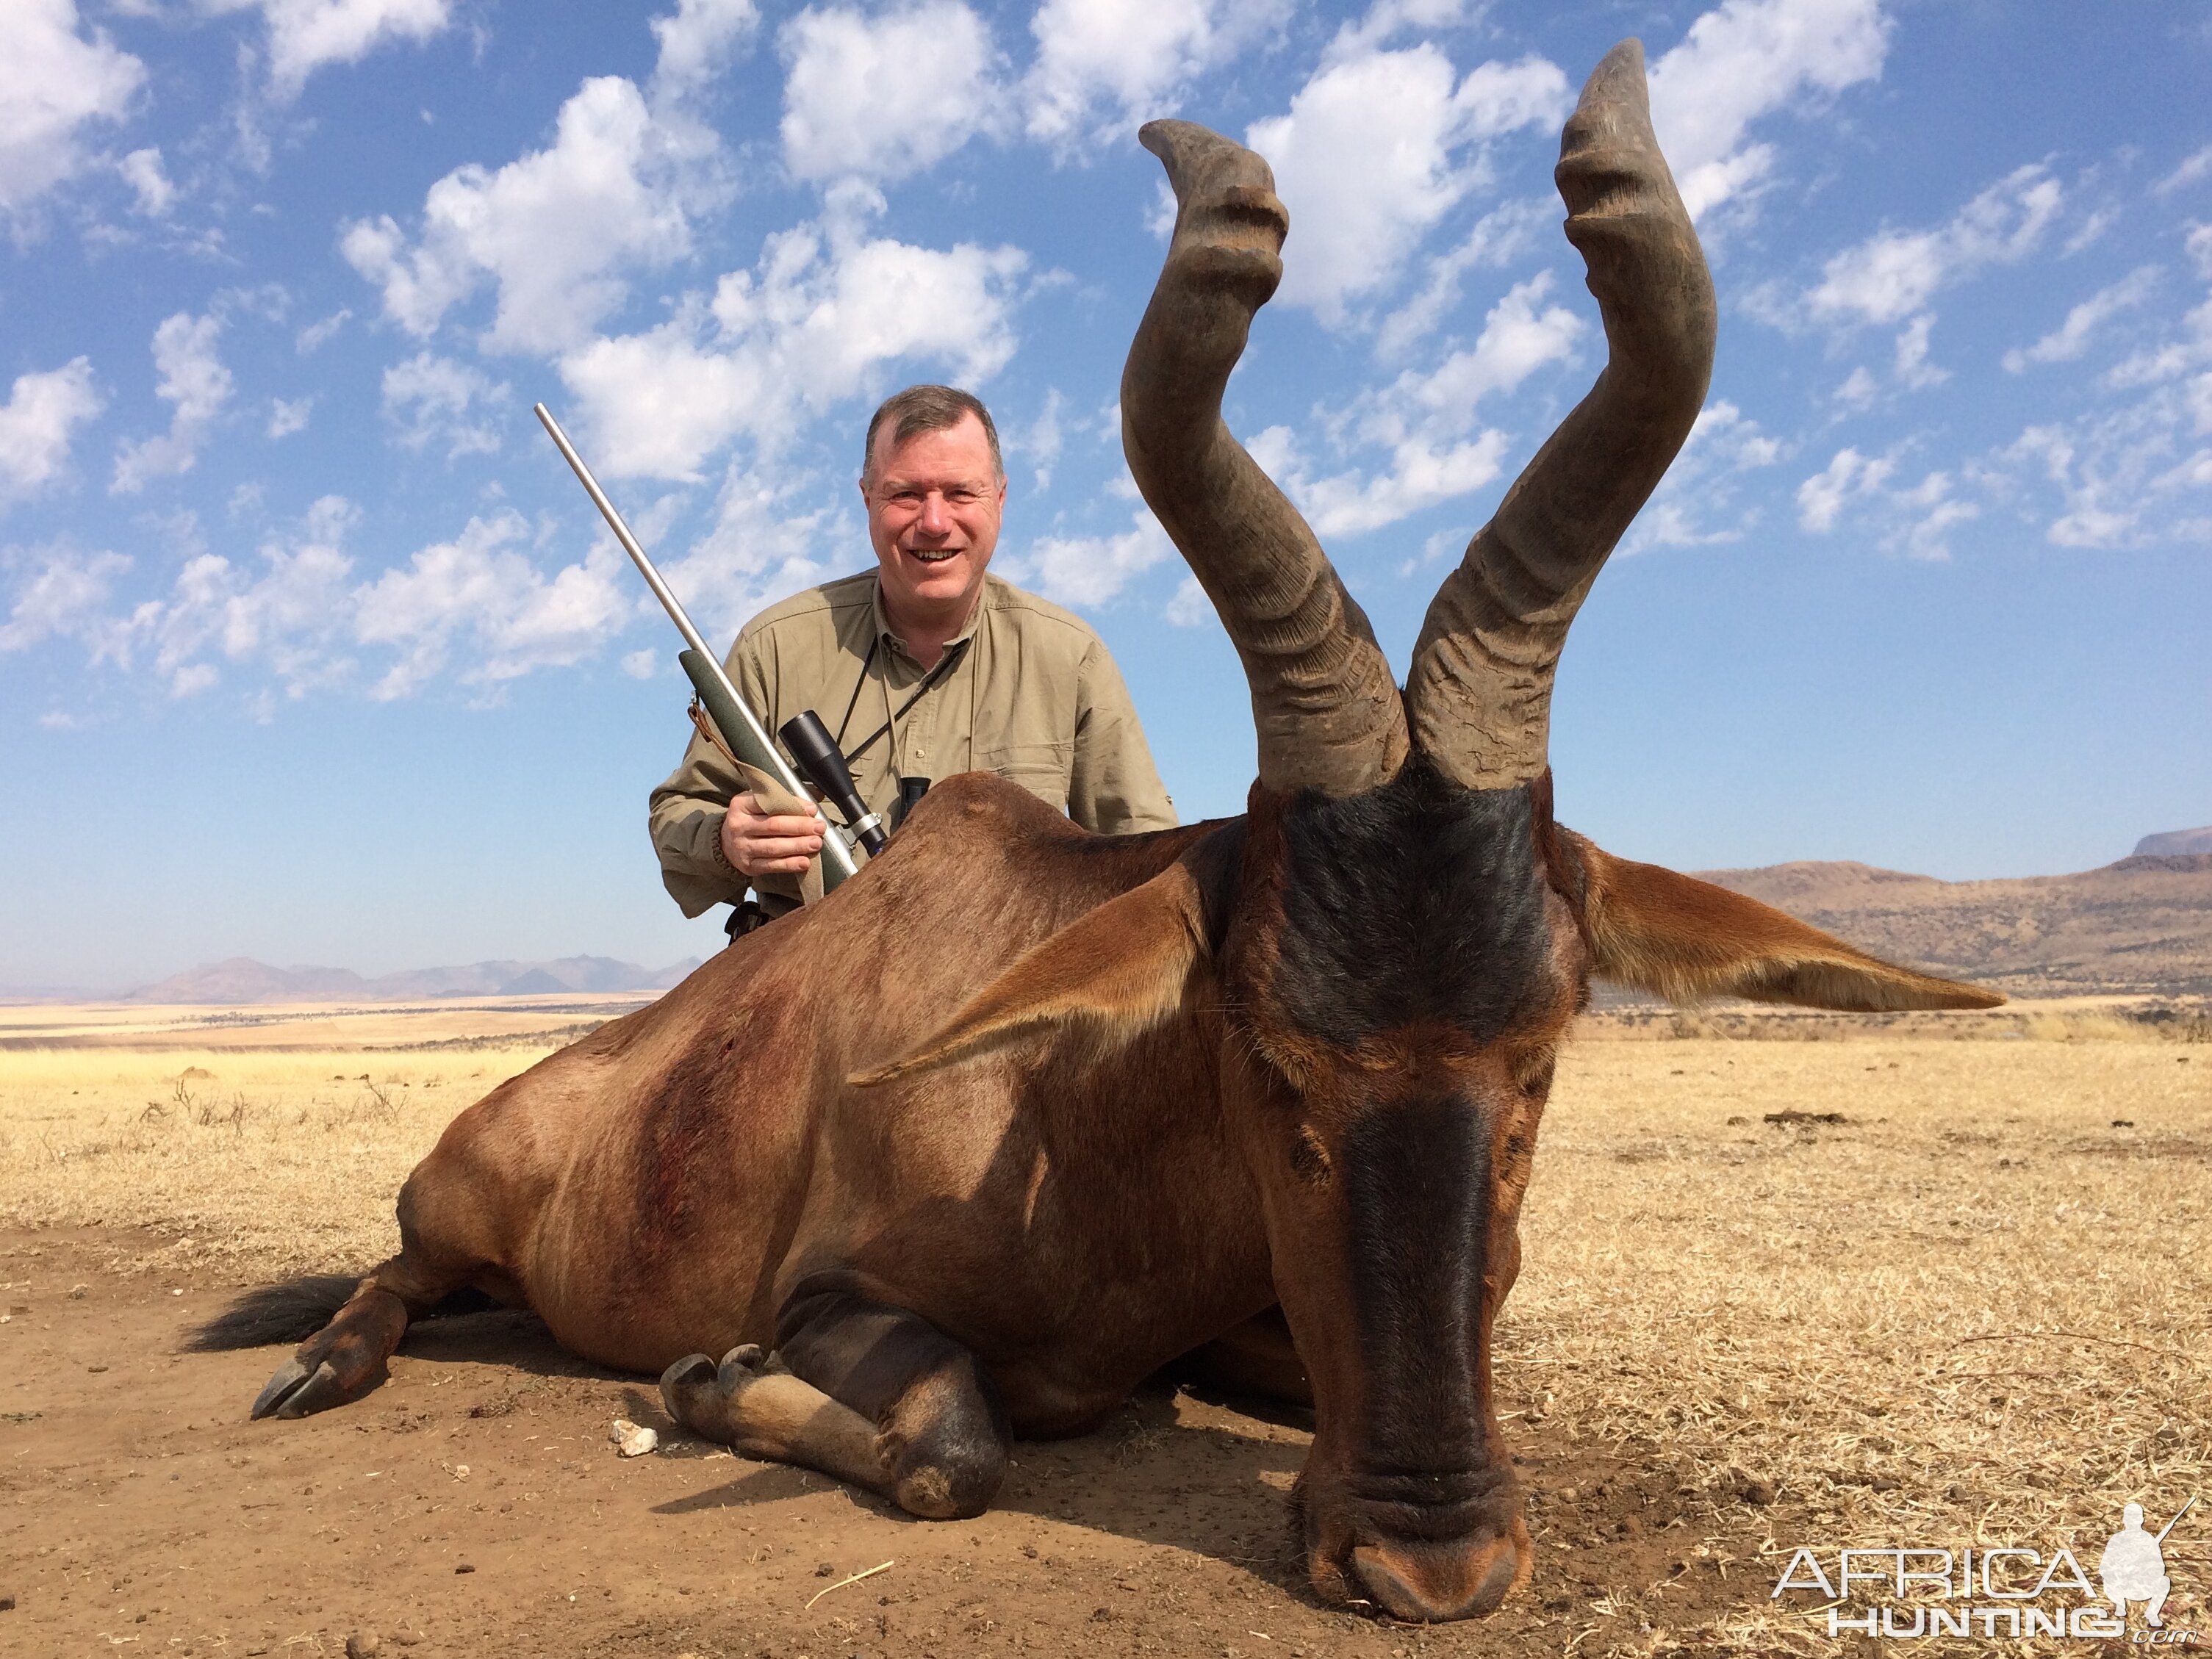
(740, 729)
(2176, 1521)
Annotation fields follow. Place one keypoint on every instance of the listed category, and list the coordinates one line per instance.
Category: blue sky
(310, 650)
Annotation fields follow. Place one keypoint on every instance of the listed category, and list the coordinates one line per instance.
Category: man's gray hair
(929, 409)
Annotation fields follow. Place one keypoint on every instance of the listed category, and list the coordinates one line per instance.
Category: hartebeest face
(1399, 971)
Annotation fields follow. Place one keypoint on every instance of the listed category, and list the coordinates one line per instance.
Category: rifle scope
(817, 757)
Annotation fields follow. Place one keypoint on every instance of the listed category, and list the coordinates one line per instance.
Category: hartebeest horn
(1323, 698)
(1480, 690)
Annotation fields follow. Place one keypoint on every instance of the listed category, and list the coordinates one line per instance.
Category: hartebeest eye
(1533, 1074)
(1308, 1157)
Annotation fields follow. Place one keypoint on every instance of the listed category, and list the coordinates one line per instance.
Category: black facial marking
(1417, 902)
(1416, 1181)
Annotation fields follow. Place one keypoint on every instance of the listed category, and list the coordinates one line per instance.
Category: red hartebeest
(1296, 1058)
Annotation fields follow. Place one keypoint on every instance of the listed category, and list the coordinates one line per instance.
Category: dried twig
(2072, 1336)
(880, 1567)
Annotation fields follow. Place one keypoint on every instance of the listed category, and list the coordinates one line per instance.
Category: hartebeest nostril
(1430, 1583)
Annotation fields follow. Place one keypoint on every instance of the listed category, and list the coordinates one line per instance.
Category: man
(923, 667)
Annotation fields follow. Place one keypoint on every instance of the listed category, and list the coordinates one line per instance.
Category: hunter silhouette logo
(2133, 1565)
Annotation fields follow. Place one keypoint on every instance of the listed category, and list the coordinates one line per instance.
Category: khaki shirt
(1035, 699)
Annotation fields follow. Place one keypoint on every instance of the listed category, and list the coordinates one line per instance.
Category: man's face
(933, 507)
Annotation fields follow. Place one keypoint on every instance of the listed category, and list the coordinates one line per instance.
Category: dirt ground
(473, 1505)
(1951, 1292)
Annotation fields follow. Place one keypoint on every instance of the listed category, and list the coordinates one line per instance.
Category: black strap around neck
(945, 663)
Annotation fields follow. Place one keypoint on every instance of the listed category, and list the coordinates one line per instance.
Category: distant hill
(2175, 843)
(242, 980)
(2142, 926)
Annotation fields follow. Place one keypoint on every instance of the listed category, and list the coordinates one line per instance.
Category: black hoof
(689, 1393)
(296, 1391)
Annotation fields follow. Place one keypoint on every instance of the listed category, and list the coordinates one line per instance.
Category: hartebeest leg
(872, 1395)
(442, 1248)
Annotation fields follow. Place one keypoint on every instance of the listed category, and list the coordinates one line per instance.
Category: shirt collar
(984, 598)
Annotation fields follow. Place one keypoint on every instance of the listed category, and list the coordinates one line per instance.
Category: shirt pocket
(1045, 769)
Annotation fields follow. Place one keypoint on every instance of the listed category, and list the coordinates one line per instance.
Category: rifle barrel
(2176, 1521)
(749, 743)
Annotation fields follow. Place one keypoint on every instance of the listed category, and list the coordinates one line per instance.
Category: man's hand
(758, 845)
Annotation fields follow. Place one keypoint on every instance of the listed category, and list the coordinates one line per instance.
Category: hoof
(296, 1391)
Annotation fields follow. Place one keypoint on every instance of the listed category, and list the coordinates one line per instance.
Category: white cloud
(64, 596)
(305, 35)
(884, 97)
(1425, 421)
(1387, 19)
(698, 39)
(481, 594)
(291, 614)
(1499, 237)
(1696, 504)
(825, 311)
(1104, 64)
(1039, 442)
(433, 399)
(1746, 59)
(1087, 571)
(313, 338)
(195, 381)
(1911, 367)
(555, 230)
(53, 81)
(1367, 160)
(764, 544)
(1915, 522)
(2123, 474)
(1423, 473)
(1858, 390)
(1930, 510)
(37, 422)
(290, 415)
(479, 604)
(1822, 497)
(1894, 274)
(142, 171)
(1187, 606)
(2071, 338)
(2198, 244)
(2196, 166)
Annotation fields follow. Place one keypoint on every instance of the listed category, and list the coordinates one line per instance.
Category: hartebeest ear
(1688, 940)
(1116, 972)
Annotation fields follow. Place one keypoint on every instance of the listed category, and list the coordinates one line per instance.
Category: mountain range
(242, 980)
(2142, 926)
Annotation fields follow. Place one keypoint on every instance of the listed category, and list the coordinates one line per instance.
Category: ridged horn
(1480, 694)
(1324, 701)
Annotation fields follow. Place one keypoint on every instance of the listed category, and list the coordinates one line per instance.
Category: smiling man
(925, 666)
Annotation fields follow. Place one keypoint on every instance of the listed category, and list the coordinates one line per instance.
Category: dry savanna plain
(1821, 1283)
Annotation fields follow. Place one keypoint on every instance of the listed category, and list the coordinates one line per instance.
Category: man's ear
(1687, 940)
(1113, 973)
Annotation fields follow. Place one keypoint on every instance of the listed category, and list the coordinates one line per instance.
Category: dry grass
(255, 1162)
(1974, 1312)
